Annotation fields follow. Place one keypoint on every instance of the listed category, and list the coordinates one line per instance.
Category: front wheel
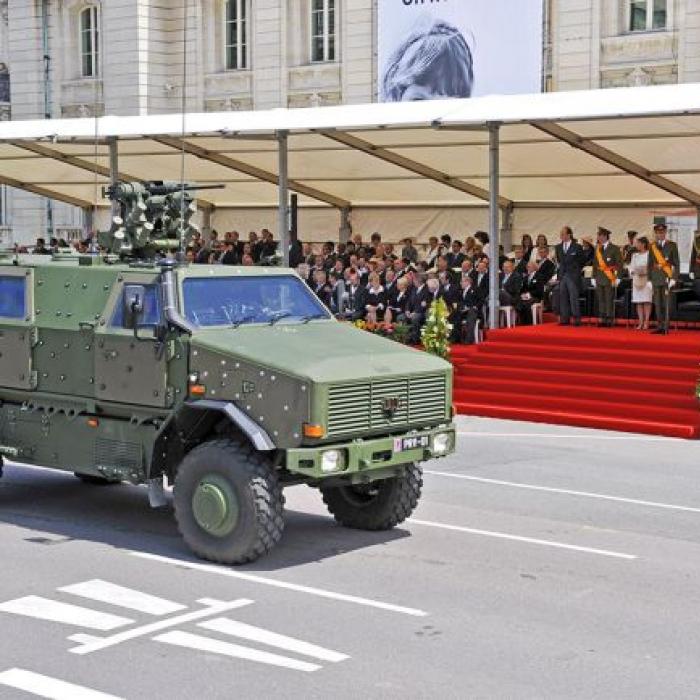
(379, 505)
(228, 502)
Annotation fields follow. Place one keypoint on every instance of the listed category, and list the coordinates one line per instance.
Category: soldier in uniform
(607, 266)
(664, 267)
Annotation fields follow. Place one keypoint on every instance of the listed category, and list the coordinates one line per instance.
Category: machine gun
(154, 217)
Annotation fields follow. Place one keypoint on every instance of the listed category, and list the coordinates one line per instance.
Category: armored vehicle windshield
(234, 301)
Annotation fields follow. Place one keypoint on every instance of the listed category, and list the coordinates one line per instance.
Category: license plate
(411, 443)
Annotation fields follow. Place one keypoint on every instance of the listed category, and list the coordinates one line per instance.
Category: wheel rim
(215, 506)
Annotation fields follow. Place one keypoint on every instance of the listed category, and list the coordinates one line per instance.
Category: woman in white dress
(641, 285)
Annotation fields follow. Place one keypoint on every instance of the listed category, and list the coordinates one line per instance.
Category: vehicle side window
(151, 309)
(13, 297)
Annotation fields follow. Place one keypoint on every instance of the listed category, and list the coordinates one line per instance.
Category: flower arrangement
(435, 335)
(398, 332)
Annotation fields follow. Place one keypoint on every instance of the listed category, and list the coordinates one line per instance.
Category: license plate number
(411, 443)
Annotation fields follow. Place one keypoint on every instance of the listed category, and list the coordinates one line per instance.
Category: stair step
(600, 367)
(595, 338)
(552, 402)
(465, 387)
(687, 430)
(668, 358)
(554, 377)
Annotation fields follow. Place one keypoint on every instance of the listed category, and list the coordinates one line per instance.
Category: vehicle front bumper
(371, 458)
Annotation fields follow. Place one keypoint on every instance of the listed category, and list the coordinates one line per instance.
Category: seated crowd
(374, 282)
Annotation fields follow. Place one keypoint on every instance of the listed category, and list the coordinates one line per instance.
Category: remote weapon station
(229, 383)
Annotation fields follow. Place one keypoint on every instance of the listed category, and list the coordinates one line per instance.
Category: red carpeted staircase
(611, 378)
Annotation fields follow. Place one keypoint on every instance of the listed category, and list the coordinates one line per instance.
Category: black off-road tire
(381, 505)
(248, 473)
(93, 480)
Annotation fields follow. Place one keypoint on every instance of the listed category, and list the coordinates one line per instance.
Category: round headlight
(441, 443)
(331, 461)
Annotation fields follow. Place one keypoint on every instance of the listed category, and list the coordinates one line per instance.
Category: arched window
(322, 30)
(89, 42)
(236, 34)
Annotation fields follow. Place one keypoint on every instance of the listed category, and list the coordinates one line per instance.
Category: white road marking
(47, 687)
(526, 540)
(45, 609)
(111, 593)
(579, 436)
(568, 492)
(319, 592)
(255, 634)
(213, 646)
(89, 644)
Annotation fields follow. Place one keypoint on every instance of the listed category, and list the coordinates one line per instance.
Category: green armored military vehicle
(228, 382)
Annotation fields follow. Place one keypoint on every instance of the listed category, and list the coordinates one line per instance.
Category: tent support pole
(345, 226)
(494, 224)
(283, 189)
(114, 170)
(507, 228)
(206, 219)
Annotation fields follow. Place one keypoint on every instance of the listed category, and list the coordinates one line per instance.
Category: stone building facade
(77, 58)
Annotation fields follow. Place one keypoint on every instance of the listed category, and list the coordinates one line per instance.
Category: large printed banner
(435, 49)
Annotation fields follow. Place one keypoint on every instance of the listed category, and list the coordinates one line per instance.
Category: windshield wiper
(245, 319)
(312, 317)
(279, 316)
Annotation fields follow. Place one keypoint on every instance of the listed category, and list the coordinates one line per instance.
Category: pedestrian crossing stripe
(209, 618)
(214, 646)
(120, 596)
(241, 630)
(55, 611)
(47, 687)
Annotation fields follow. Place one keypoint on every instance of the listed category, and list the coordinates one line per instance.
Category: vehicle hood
(322, 351)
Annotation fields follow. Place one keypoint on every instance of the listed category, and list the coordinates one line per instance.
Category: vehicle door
(131, 367)
(17, 328)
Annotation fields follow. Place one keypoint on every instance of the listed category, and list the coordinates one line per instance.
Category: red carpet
(610, 378)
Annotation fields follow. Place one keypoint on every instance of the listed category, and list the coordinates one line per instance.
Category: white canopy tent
(628, 147)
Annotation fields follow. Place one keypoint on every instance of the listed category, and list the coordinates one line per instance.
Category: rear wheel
(379, 505)
(228, 502)
(96, 480)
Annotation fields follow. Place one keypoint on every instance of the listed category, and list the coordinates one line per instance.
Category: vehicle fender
(257, 435)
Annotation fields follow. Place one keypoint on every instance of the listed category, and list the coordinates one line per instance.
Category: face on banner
(438, 49)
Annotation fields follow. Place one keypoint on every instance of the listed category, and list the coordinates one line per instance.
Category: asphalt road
(543, 562)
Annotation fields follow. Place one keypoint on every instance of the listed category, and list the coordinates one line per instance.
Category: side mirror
(134, 297)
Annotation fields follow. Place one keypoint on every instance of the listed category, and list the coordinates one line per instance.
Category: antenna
(185, 14)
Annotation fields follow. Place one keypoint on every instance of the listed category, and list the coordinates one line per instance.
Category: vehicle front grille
(386, 404)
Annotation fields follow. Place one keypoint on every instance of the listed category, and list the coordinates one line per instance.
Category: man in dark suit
(569, 256)
(546, 269)
(337, 296)
(480, 278)
(519, 261)
(354, 298)
(469, 310)
(532, 293)
(455, 257)
(417, 306)
(664, 268)
(321, 287)
(511, 283)
(229, 257)
(448, 290)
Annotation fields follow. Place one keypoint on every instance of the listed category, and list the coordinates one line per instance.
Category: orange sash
(608, 271)
(661, 261)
